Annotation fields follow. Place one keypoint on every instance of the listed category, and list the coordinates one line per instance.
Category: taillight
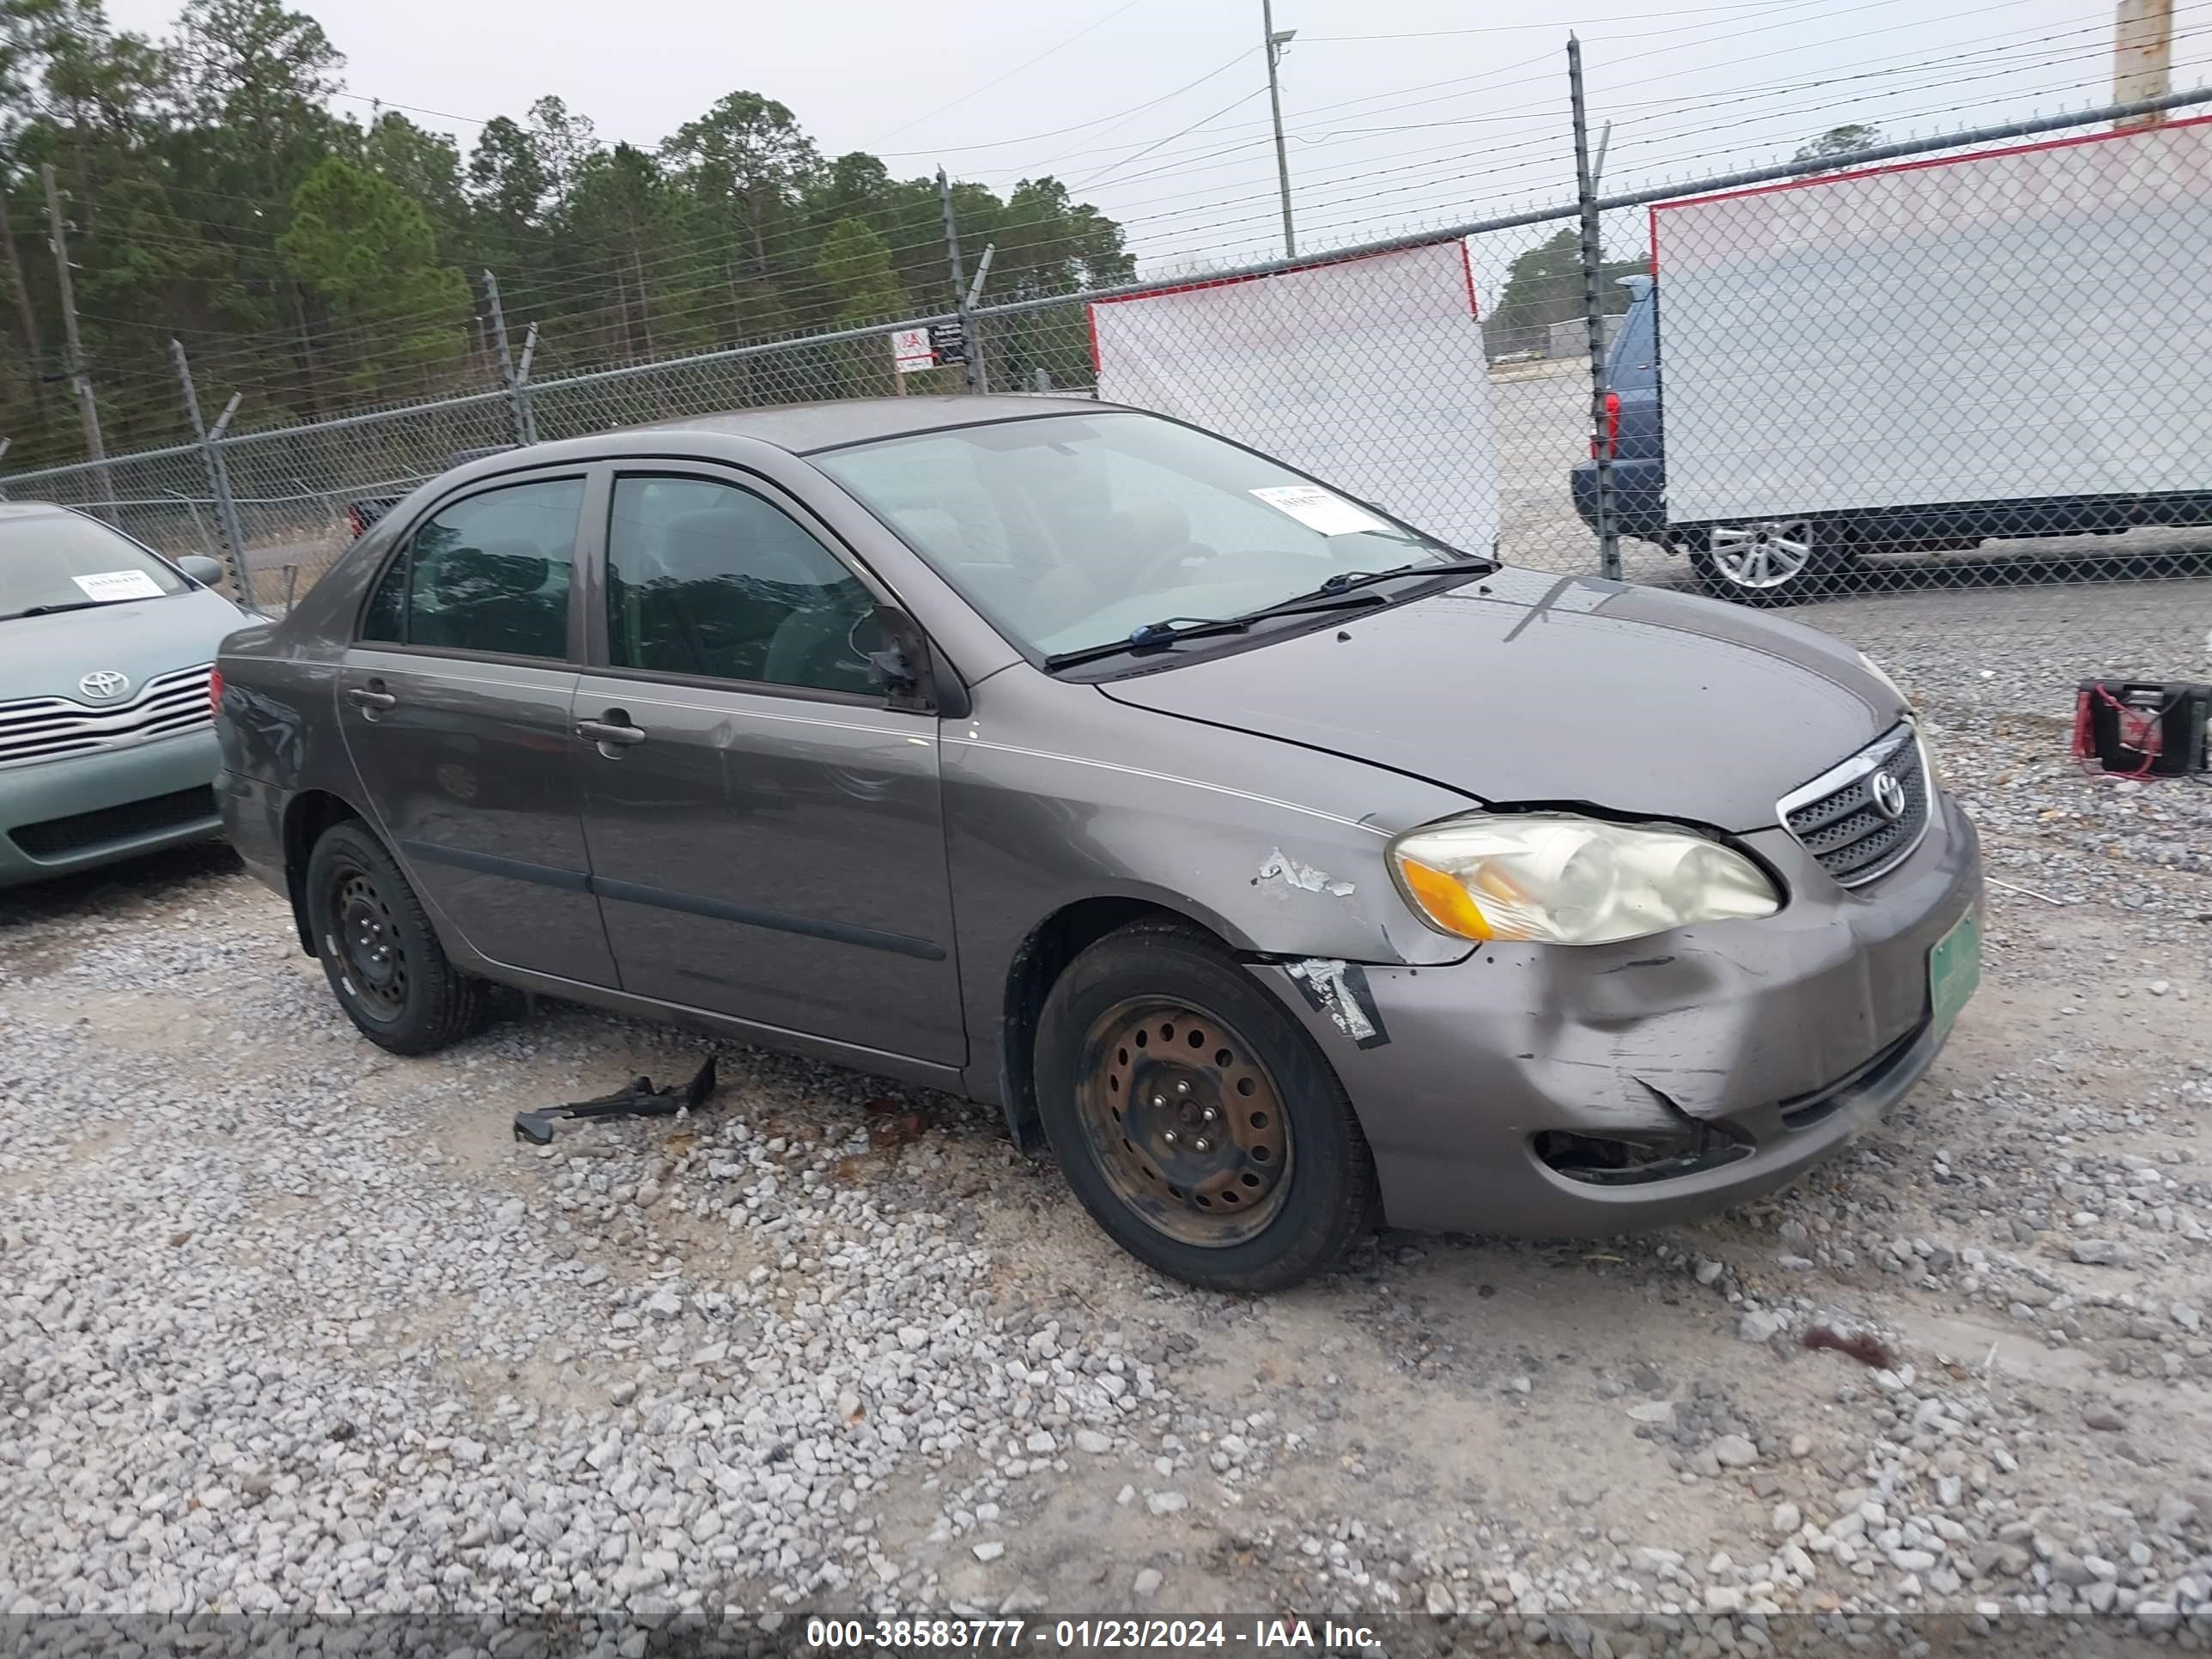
(215, 692)
(1612, 427)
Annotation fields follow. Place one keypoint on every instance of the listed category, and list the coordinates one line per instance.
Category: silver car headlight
(1555, 878)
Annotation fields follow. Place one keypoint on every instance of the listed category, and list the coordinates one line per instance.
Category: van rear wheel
(1770, 561)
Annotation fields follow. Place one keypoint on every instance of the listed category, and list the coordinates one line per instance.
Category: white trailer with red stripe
(2013, 342)
(1367, 372)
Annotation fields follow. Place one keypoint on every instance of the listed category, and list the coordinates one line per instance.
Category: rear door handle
(372, 697)
(616, 729)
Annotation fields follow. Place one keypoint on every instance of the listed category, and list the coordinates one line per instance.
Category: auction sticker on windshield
(1320, 509)
(109, 586)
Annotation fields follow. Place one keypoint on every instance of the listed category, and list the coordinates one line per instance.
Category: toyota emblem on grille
(1889, 797)
(104, 684)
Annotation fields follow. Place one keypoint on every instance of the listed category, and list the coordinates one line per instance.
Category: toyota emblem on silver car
(1889, 796)
(104, 684)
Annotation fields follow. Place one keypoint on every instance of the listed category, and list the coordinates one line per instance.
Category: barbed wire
(621, 268)
(704, 291)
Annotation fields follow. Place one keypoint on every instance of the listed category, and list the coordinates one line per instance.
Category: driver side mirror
(909, 673)
(202, 569)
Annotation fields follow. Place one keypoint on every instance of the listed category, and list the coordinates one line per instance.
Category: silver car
(106, 741)
(1280, 867)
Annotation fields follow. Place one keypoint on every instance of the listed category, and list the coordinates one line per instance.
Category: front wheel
(1769, 560)
(1194, 1119)
(378, 949)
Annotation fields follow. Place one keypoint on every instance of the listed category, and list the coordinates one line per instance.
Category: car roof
(802, 429)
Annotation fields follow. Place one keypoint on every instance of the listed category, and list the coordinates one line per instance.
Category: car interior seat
(494, 597)
(729, 579)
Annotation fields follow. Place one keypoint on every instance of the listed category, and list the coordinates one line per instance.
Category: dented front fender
(1062, 796)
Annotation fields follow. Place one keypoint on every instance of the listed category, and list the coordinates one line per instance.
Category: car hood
(1524, 687)
(46, 656)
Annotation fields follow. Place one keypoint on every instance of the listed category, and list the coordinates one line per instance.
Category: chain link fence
(1948, 398)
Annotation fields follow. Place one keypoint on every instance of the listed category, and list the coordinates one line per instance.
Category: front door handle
(372, 697)
(614, 731)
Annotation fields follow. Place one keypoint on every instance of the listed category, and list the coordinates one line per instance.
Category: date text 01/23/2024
(1086, 1635)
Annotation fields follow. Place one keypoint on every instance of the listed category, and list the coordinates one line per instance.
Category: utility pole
(2143, 58)
(1276, 41)
(24, 310)
(87, 410)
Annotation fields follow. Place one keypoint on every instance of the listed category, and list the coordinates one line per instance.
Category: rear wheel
(1194, 1119)
(1770, 561)
(379, 952)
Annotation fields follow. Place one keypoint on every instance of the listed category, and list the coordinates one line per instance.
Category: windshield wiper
(1341, 591)
(1350, 582)
(1152, 633)
(1199, 628)
(67, 605)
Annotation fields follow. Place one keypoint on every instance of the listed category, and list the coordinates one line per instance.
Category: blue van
(1776, 560)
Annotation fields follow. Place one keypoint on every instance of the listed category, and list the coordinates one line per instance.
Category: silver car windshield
(1073, 530)
(66, 561)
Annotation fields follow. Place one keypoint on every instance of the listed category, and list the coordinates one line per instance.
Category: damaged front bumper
(1542, 1091)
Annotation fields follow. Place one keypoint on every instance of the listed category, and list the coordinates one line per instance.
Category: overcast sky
(1402, 113)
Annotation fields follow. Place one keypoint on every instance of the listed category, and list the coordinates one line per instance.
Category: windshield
(66, 561)
(1072, 530)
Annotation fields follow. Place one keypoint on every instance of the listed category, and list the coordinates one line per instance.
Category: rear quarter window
(385, 618)
(1634, 365)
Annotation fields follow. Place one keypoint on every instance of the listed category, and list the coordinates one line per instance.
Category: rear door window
(489, 575)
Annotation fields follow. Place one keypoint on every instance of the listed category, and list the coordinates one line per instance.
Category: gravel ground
(293, 1326)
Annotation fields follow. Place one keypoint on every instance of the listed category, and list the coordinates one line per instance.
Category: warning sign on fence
(939, 345)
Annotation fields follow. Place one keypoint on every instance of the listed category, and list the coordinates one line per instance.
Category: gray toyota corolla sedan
(1279, 867)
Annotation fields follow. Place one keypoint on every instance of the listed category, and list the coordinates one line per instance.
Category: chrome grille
(1840, 819)
(47, 728)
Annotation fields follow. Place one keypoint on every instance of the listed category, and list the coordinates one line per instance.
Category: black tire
(1820, 560)
(412, 1000)
(1323, 1198)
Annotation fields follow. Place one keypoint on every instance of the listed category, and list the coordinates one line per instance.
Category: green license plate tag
(1954, 968)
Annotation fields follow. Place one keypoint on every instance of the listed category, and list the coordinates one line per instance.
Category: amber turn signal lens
(1447, 904)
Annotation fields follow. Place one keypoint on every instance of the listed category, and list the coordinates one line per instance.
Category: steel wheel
(378, 949)
(1185, 1121)
(367, 941)
(1765, 555)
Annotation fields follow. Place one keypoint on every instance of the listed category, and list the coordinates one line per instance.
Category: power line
(1458, 209)
(1027, 63)
(1548, 105)
(1579, 22)
(1242, 97)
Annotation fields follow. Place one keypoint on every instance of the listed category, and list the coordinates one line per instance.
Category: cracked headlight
(1559, 879)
